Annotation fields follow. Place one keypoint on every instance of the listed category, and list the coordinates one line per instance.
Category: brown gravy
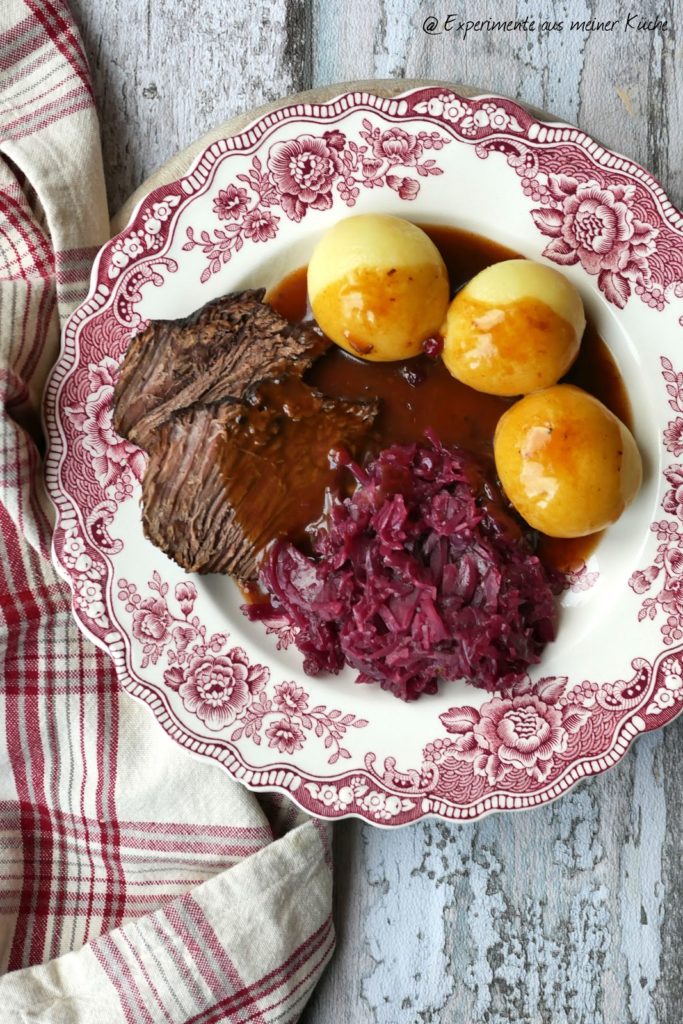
(420, 392)
(287, 424)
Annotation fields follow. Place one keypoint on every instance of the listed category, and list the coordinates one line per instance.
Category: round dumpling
(514, 328)
(378, 286)
(568, 465)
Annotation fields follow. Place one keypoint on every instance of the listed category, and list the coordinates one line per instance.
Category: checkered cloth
(136, 884)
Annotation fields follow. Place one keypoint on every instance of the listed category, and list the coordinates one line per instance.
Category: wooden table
(571, 913)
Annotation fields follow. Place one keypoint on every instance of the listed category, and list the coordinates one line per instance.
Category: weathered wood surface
(572, 913)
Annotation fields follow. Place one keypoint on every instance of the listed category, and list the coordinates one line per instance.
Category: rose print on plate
(302, 174)
(219, 684)
(598, 228)
(526, 731)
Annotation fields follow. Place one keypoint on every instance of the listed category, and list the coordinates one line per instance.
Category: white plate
(249, 211)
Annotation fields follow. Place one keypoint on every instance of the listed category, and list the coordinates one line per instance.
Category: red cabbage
(416, 578)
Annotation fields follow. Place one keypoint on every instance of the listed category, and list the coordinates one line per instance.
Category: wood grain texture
(571, 913)
(165, 71)
(622, 86)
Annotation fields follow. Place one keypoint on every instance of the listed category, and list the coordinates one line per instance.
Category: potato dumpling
(378, 286)
(568, 465)
(514, 328)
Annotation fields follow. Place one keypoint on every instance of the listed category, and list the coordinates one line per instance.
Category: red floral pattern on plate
(596, 227)
(608, 227)
(607, 219)
(219, 684)
(217, 688)
(667, 567)
(146, 238)
(301, 175)
(525, 730)
(117, 463)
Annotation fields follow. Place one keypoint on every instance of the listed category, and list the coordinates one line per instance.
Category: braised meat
(218, 352)
(225, 478)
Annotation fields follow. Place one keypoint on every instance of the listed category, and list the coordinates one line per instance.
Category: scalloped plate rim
(669, 213)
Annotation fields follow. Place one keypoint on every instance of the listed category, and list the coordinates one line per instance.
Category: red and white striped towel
(136, 883)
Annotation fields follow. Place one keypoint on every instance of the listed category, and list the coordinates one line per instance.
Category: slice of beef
(218, 352)
(224, 479)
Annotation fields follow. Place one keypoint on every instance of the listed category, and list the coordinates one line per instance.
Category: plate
(249, 211)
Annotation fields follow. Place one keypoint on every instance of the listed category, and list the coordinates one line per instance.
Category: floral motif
(151, 620)
(230, 203)
(371, 166)
(583, 693)
(589, 218)
(219, 684)
(397, 146)
(285, 735)
(162, 210)
(447, 105)
(303, 171)
(328, 795)
(134, 243)
(355, 793)
(662, 700)
(673, 499)
(174, 678)
(667, 566)
(74, 554)
(642, 579)
(218, 687)
(673, 674)
(491, 115)
(186, 595)
(290, 718)
(472, 117)
(302, 174)
(260, 225)
(595, 225)
(407, 188)
(488, 115)
(89, 598)
(116, 462)
(87, 574)
(671, 692)
(673, 434)
(525, 731)
(461, 722)
(673, 437)
(383, 806)
(290, 698)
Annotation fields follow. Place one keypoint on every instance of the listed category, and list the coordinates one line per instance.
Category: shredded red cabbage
(414, 579)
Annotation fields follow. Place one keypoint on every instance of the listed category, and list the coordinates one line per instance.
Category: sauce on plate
(420, 392)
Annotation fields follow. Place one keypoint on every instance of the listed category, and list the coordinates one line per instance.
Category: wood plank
(614, 84)
(165, 71)
(551, 915)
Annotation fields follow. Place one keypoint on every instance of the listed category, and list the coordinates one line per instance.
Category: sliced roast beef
(218, 352)
(225, 478)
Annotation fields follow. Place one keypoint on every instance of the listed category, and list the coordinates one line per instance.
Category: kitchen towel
(137, 884)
